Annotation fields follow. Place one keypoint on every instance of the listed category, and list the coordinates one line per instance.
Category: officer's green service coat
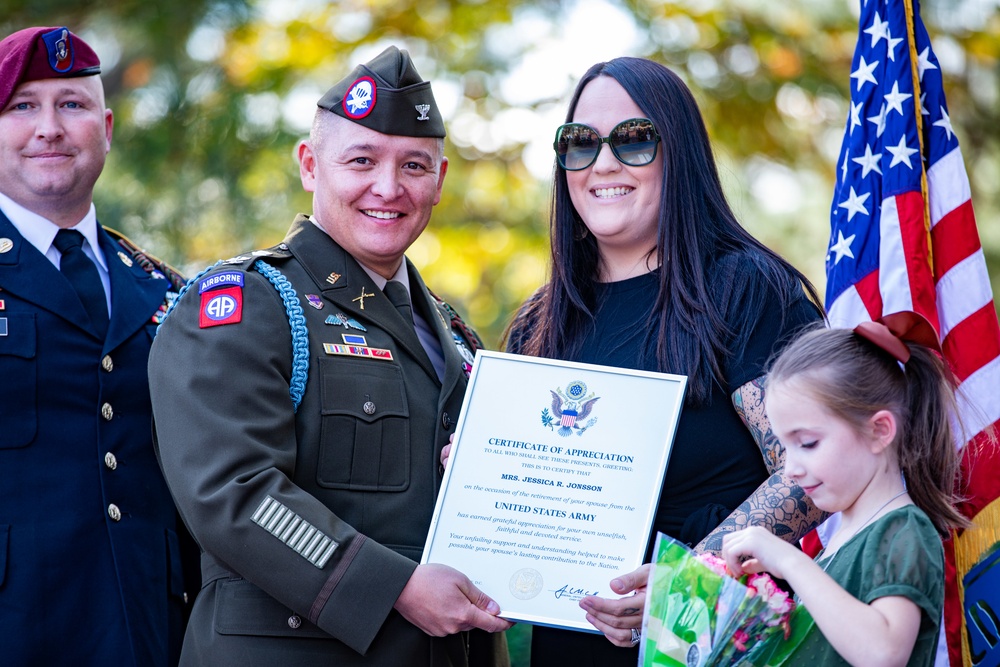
(311, 520)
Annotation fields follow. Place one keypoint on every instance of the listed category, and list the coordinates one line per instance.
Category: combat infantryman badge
(569, 408)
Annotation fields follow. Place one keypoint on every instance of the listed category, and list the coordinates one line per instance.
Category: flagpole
(911, 42)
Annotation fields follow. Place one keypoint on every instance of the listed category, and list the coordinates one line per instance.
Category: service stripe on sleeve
(294, 531)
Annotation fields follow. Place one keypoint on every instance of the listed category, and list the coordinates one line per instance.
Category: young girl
(865, 421)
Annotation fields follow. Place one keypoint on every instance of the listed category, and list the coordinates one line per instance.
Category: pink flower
(713, 563)
(740, 640)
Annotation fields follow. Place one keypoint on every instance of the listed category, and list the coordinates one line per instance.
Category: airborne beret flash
(387, 95)
(43, 53)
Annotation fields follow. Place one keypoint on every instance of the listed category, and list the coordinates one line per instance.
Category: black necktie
(82, 274)
(400, 298)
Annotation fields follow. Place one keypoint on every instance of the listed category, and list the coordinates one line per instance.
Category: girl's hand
(756, 549)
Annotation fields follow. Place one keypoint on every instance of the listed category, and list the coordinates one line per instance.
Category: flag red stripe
(973, 342)
(870, 295)
(954, 238)
(913, 235)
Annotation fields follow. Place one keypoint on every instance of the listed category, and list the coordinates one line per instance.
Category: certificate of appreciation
(553, 481)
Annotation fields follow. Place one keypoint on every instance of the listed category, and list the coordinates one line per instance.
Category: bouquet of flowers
(699, 615)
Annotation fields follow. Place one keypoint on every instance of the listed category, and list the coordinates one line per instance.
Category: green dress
(900, 554)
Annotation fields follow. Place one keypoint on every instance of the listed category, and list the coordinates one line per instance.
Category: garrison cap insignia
(360, 98)
(295, 532)
(422, 109)
(341, 320)
(315, 301)
(569, 407)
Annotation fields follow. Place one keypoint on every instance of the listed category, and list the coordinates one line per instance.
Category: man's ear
(307, 165)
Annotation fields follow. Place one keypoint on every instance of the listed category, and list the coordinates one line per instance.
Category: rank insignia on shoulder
(221, 306)
(341, 320)
(220, 279)
(315, 300)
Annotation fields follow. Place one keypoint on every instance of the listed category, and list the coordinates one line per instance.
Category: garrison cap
(387, 95)
(43, 53)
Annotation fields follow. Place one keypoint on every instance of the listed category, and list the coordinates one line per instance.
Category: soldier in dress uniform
(90, 558)
(302, 395)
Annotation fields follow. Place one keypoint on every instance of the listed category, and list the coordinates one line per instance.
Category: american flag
(898, 245)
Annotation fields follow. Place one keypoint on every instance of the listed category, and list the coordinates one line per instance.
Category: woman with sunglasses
(651, 270)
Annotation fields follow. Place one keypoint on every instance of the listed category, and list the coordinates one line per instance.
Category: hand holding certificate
(553, 481)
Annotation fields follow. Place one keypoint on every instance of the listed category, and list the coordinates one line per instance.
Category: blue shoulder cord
(296, 321)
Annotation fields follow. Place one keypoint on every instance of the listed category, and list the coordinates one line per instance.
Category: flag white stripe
(848, 310)
(893, 278)
(962, 291)
(978, 398)
(947, 185)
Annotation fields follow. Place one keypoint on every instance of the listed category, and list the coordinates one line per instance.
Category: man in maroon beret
(90, 563)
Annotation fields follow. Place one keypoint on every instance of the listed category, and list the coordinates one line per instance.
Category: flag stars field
(900, 153)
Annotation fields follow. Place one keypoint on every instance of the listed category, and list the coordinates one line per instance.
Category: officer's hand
(441, 601)
(446, 451)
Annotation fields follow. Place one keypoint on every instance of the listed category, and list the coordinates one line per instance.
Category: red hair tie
(892, 332)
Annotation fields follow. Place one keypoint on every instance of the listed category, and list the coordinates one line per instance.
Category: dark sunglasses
(632, 141)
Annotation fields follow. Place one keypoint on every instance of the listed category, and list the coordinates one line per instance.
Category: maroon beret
(43, 53)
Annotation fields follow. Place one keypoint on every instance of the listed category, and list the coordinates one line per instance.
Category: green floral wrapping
(698, 616)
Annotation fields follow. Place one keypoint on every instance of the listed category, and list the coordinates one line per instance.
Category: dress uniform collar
(40, 231)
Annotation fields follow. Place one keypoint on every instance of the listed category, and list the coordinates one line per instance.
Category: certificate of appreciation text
(553, 482)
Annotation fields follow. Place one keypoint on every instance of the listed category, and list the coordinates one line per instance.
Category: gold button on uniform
(110, 461)
(107, 364)
(114, 512)
(107, 411)
(294, 622)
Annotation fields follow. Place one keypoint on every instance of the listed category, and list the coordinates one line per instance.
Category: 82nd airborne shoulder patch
(221, 299)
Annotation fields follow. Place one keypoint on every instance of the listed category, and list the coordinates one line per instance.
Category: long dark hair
(853, 379)
(694, 324)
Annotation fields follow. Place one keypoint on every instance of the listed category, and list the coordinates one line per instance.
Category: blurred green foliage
(211, 96)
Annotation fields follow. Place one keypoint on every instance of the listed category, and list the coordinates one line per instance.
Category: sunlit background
(211, 96)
